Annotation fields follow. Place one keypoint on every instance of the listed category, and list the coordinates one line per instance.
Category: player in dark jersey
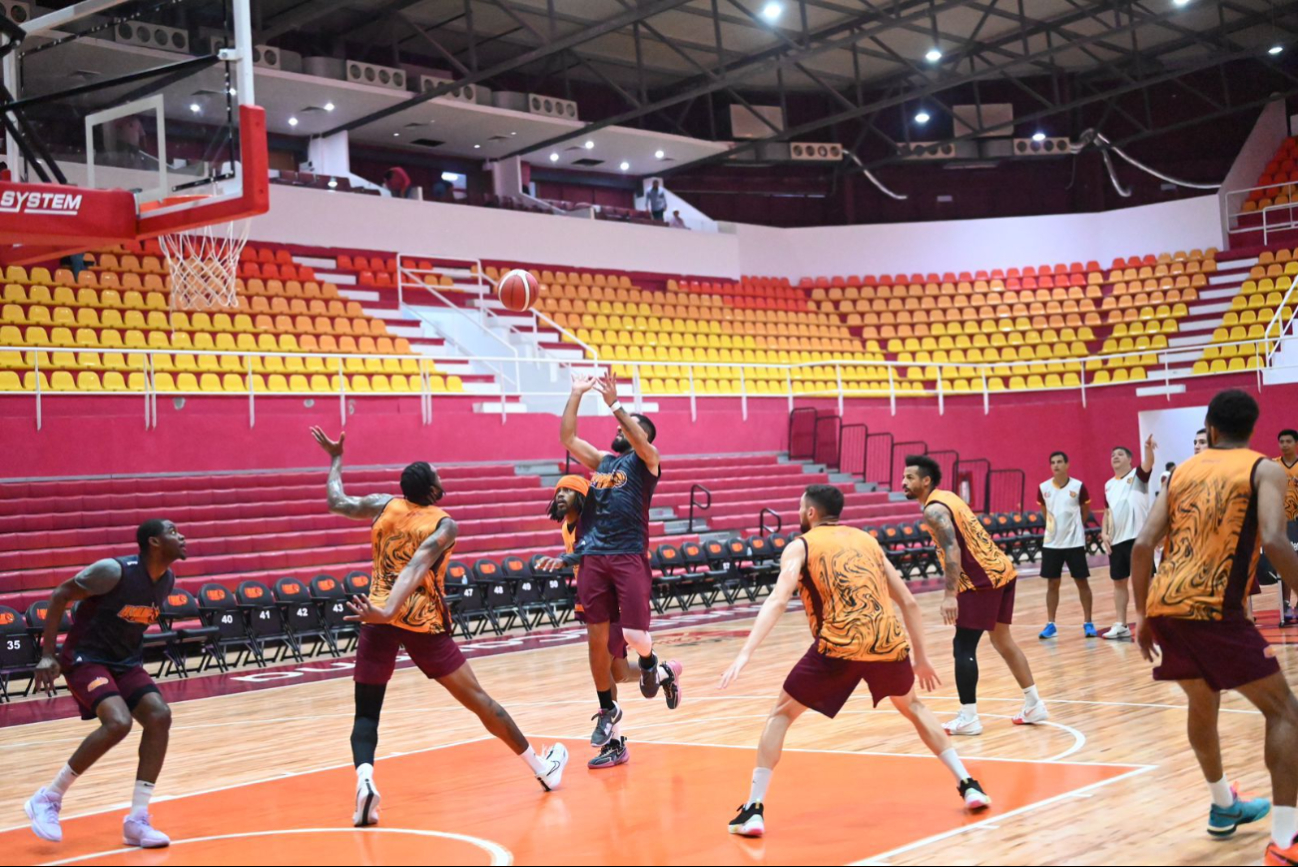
(570, 494)
(614, 583)
(1221, 508)
(103, 663)
(413, 541)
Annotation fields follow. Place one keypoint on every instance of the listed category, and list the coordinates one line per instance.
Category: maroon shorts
(616, 640)
(1226, 654)
(824, 683)
(90, 683)
(983, 609)
(615, 588)
(376, 652)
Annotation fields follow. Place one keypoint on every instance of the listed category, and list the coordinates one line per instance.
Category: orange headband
(573, 483)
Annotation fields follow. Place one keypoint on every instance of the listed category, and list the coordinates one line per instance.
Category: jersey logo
(1131, 480)
(144, 615)
(608, 480)
(1073, 494)
(96, 683)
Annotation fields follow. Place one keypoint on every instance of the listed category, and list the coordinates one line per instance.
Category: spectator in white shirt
(656, 199)
(677, 222)
(1126, 496)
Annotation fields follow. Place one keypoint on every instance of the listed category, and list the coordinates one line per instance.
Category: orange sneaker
(1281, 857)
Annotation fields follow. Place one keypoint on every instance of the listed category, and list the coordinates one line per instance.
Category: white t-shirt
(1063, 510)
(1128, 502)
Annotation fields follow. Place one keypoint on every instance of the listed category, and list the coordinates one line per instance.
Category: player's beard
(804, 525)
(621, 445)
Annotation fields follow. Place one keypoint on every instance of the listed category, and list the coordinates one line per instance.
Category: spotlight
(590, 145)
(328, 106)
(554, 158)
(659, 155)
(934, 55)
(922, 116)
(771, 11)
(624, 166)
(292, 121)
(1275, 49)
(1038, 136)
(195, 107)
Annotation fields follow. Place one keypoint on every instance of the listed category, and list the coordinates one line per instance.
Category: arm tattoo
(360, 508)
(944, 536)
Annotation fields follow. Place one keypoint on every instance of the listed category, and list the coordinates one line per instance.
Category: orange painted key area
(474, 803)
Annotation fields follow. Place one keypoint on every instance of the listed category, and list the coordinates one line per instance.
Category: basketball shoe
(367, 802)
(749, 822)
(1277, 857)
(670, 679)
(138, 830)
(604, 722)
(1222, 821)
(1031, 714)
(964, 725)
(556, 759)
(43, 809)
(974, 796)
(614, 753)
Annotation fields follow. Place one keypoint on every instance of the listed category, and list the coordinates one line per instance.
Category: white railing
(1278, 327)
(1274, 218)
(832, 373)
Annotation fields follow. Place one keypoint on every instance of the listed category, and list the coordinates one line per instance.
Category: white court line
(1154, 705)
(753, 747)
(882, 857)
(281, 776)
(499, 854)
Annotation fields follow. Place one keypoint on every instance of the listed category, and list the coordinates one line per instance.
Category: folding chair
(219, 608)
(302, 615)
(266, 620)
(36, 615)
(500, 595)
(17, 651)
(671, 583)
(182, 617)
(330, 596)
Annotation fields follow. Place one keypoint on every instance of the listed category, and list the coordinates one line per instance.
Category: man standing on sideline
(1288, 460)
(1067, 506)
(1220, 506)
(656, 199)
(1126, 498)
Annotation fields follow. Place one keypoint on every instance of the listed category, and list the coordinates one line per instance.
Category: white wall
(1270, 130)
(970, 245)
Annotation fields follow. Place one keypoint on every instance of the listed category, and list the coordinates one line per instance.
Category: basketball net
(204, 265)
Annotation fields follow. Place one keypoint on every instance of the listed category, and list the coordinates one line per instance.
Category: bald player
(980, 583)
(1220, 506)
(848, 589)
(606, 653)
(413, 540)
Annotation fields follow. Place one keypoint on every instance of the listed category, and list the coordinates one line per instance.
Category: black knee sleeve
(965, 647)
(365, 727)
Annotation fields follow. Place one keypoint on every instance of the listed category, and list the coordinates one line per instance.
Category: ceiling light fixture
(934, 55)
(1038, 136)
(590, 145)
(554, 158)
(477, 146)
(195, 107)
(772, 11)
(1275, 49)
(292, 121)
(328, 106)
(659, 155)
(625, 166)
(922, 116)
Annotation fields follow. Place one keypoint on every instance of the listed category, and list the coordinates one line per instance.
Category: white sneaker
(1119, 632)
(556, 759)
(138, 830)
(43, 809)
(974, 797)
(367, 803)
(964, 725)
(1031, 715)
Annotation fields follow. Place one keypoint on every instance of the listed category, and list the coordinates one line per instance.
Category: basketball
(518, 290)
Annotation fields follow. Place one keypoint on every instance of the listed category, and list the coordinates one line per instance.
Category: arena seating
(1252, 313)
(1279, 180)
(121, 306)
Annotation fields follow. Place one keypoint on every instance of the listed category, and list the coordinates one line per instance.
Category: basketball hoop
(204, 264)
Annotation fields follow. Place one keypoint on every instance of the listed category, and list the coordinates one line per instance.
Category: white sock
(761, 779)
(969, 711)
(140, 798)
(953, 764)
(65, 778)
(533, 761)
(365, 771)
(617, 731)
(1284, 826)
(1221, 795)
(1030, 695)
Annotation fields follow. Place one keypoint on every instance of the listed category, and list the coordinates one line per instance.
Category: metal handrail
(702, 506)
(762, 529)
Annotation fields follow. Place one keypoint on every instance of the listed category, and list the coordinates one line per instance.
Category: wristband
(615, 406)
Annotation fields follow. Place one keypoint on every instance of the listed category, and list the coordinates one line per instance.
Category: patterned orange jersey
(983, 565)
(1213, 538)
(396, 536)
(844, 588)
(1290, 492)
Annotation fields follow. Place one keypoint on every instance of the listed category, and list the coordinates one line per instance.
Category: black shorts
(1120, 560)
(1053, 560)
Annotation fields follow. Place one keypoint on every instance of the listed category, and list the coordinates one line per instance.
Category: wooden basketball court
(1109, 780)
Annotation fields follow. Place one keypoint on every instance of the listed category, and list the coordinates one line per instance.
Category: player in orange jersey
(1219, 505)
(1288, 459)
(606, 654)
(848, 588)
(413, 541)
(980, 583)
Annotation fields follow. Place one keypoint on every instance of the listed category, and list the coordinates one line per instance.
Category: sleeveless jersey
(396, 535)
(1127, 499)
(1290, 492)
(844, 588)
(615, 519)
(983, 565)
(1213, 541)
(109, 629)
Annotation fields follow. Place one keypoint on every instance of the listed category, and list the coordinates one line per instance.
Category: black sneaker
(974, 796)
(614, 753)
(671, 682)
(604, 722)
(749, 822)
(649, 680)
